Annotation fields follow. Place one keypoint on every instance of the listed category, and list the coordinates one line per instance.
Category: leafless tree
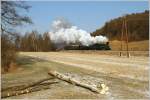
(10, 17)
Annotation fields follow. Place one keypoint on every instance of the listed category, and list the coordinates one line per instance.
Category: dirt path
(127, 78)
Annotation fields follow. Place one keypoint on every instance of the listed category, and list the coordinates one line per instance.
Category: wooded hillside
(137, 23)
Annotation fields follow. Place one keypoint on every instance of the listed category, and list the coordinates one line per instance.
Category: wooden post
(122, 37)
(126, 32)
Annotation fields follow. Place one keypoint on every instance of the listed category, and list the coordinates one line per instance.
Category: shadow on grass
(26, 60)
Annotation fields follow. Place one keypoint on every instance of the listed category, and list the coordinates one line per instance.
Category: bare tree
(10, 16)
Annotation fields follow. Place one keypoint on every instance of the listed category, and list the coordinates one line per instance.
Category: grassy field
(38, 69)
(127, 78)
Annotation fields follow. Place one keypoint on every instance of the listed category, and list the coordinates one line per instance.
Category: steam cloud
(64, 33)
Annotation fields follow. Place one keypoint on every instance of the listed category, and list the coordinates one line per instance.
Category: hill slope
(137, 23)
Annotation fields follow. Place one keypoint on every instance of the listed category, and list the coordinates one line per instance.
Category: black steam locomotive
(97, 46)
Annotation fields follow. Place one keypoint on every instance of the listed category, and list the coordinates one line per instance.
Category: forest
(137, 24)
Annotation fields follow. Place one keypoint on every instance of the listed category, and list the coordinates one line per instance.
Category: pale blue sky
(88, 15)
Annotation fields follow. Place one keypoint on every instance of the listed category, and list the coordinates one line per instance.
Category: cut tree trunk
(22, 87)
(73, 81)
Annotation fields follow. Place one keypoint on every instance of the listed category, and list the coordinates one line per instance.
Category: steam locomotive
(97, 46)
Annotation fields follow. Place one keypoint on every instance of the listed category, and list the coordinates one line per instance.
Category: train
(97, 46)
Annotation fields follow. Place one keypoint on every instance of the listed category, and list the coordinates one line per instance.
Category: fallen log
(24, 86)
(73, 81)
(28, 90)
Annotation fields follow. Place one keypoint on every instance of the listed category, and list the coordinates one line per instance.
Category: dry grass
(135, 46)
(127, 78)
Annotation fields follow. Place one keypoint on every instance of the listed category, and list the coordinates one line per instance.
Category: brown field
(133, 46)
(110, 52)
(127, 78)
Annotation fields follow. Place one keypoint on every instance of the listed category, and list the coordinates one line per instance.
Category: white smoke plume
(64, 33)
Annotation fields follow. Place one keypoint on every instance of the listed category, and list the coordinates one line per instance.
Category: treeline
(33, 41)
(137, 23)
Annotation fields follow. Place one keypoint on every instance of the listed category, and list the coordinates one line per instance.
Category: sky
(87, 15)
